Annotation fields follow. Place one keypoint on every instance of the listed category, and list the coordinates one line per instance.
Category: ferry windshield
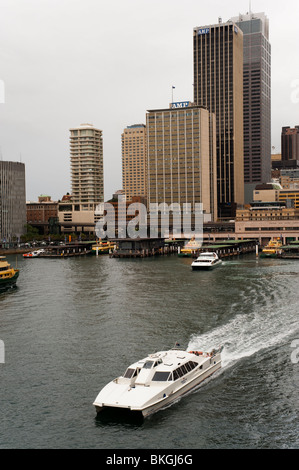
(148, 365)
(129, 373)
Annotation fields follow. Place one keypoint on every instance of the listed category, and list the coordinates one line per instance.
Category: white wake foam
(246, 334)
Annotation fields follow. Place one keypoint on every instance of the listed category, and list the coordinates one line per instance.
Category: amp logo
(295, 353)
(203, 31)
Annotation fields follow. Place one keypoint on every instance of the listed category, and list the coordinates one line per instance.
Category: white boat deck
(158, 378)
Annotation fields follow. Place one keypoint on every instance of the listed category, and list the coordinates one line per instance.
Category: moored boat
(8, 275)
(273, 249)
(158, 380)
(102, 247)
(206, 261)
(33, 254)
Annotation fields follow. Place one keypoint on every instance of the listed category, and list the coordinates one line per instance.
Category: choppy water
(73, 325)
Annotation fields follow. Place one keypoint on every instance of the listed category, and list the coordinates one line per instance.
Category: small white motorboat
(206, 261)
(33, 254)
(158, 380)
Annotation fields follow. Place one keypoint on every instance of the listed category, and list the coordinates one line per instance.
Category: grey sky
(105, 62)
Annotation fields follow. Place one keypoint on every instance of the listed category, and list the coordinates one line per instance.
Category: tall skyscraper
(134, 161)
(181, 143)
(257, 100)
(290, 143)
(218, 87)
(12, 200)
(86, 144)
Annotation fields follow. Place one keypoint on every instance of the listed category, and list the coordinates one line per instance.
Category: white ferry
(158, 380)
(206, 261)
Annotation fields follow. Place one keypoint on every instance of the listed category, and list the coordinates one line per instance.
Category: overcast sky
(106, 62)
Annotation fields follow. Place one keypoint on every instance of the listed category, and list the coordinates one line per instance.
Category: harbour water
(72, 325)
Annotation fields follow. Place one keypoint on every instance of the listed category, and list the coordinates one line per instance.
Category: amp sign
(203, 31)
(182, 104)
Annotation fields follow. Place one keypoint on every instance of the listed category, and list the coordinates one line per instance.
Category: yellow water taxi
(8, 275)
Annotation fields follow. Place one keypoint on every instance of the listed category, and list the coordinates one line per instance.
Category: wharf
(142, 248)
(15, 251)
(229, 248)
(65, 251)
(290, 251)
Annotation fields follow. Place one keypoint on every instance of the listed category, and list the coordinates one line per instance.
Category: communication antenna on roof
(173, 88)
(250, 11)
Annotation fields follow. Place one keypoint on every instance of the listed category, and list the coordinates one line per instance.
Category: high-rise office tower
(86, 143)
(218, 87)
(181, 143)
(12, 200)
(290, 143)
(257, 100)
(134, 166)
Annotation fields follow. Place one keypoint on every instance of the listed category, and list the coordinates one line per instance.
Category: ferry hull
(187, 254)
(206, 268)
(9, 282)
(179, 394)
(104, 251)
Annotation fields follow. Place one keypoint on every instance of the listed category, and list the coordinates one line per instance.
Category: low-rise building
(289, 179)
(75, 217)
(42, 214)
(266, 223)
(290, 197)
(268, 192)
